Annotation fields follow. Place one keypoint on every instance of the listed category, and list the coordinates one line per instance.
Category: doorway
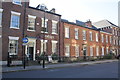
(30, 52)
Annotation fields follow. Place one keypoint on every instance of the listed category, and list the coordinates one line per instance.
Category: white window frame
(67, 53)
(107, 50)
(15, 14)
(102, 38)
(14, 38)
(103, 52)
(67, 32)
(77, 54)
(54, 27)
(91, 36)
(13, 1)
(76, 33)
(1, 10)
(32, 17)
(96, 37)
(106, 38)
(97, 51)
(54, 42)
(46, 25)
(114, 40)
(113, 31)
(45, 46)
(119, 42)
(110, 39)
(0, 36)
(91, 50)
(84, 34)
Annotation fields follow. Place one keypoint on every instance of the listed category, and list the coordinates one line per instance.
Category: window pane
(77, 51)
(97, 37)
(31, 23)
(67, 32)
(54, 47)
(45, 46)
(54, 27)
(13, 47)
(91, 51)
(90, 36)
(84, 35)
(15, 21)
(46, 25)
(76, 33)
(97, 51)
(67, 51)
(0, 19)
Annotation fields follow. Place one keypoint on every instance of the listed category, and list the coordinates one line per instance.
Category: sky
(83, 10)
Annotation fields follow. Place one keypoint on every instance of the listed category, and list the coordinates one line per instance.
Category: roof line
(43, 11)
(78, 25)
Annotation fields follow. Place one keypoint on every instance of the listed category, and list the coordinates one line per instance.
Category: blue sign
(25, 40)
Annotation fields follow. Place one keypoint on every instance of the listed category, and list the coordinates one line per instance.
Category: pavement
(52, 66)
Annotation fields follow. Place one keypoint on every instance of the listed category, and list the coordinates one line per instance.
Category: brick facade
(90, 46)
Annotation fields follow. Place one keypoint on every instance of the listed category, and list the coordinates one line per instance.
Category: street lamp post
(44, 8)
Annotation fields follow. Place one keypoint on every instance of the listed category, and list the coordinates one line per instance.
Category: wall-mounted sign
(49, 36)
(25, 40)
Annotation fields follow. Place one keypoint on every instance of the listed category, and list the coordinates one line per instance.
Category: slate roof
(80, 23)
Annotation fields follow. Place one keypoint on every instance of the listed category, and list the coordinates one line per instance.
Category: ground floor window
(91, 51)
(45, 46)
(97, 51)
(67, 50)
(13, 45)
(107, 52)
(77, 51)
(102, 51)
(54, 46)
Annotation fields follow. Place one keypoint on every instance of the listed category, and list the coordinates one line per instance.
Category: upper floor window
(110, 39)
(96, 37)
(102, 38)
(54, 27)
(113, 31)
(106, 38)
(67, 32)
(44, 25)
(1, 10)
(17, 2)
(114, 40)
(31, 22)
(15, 19)
(90, 36)
(76, 33)
(84, 34)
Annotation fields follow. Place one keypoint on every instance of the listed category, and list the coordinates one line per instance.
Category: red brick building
(67, 39)
(84, 39)
(19, 21)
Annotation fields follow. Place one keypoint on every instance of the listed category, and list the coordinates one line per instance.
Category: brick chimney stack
(88, 23)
